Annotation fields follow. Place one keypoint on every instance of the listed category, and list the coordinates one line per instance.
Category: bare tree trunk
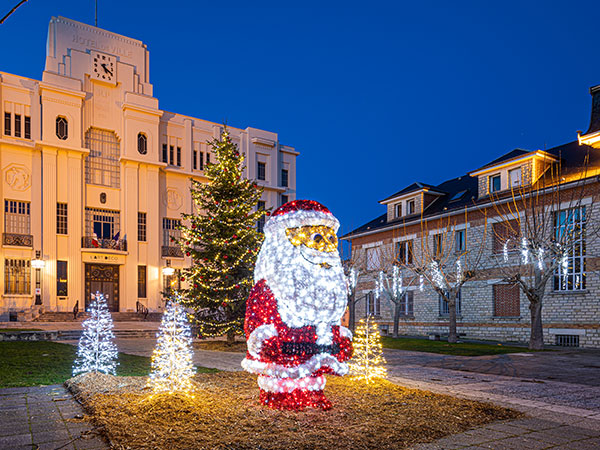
(536, 340)
(452, 334)
(230, 337)
(396, 318)
(352, 313)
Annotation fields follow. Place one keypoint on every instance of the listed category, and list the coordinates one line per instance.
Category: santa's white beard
(306, 292)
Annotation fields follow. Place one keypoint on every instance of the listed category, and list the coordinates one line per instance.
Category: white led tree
(395, 288)
(172, 359)
(96, 351)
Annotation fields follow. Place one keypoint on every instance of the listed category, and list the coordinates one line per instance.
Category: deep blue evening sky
(375, 95)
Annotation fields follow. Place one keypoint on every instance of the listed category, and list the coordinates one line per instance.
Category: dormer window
(410, 207)
(494, 181)
(399, 210)
(515, 177)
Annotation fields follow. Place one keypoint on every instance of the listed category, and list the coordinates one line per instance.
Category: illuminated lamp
(168, 271)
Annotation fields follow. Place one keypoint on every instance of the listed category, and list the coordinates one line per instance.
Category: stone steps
(69, 335)
(116, 316)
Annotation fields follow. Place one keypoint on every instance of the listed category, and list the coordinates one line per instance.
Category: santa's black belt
(308, 348)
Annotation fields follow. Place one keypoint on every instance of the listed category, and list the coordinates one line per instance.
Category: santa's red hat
(301, 213)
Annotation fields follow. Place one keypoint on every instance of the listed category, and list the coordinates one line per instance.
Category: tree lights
(293, 314)
(96, 351)
(172, 366)
(368, 361)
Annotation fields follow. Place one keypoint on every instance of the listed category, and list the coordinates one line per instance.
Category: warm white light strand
(505, 250)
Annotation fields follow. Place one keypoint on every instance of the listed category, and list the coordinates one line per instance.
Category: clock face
(103, 67)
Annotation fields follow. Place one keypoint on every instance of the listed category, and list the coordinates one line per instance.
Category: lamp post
(38, 264)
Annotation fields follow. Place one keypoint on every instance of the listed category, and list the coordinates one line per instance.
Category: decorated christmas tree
(96, 351)
(172, 366)
(368, 361)
(223, 242)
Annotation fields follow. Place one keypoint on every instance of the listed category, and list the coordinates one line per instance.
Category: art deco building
(95, 176)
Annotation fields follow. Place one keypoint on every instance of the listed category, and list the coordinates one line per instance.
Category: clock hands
(106, 69)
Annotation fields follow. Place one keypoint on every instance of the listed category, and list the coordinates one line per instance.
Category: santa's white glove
(257, 338)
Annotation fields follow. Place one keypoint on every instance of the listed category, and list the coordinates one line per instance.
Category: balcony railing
(19, 240)
(111, 244)
(170, 251)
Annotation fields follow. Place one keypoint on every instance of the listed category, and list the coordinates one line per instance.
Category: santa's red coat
(262, 309)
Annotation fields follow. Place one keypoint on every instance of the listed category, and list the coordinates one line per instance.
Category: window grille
(62, 128)
(569, 228)
(171, 232)
(142, 142)
(445, 308)
(27, 127)
(142, 226)
(178, 157)
(17, 217)
(17, 276)
(104, 223)
(7, 123)
(171, 155)
(61, 218)
(18, 125)
(567, 340)
(102, 164)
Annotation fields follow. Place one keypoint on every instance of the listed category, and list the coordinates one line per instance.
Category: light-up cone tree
(367, 362)
(172, 365)
(223, 242)
(96, 351)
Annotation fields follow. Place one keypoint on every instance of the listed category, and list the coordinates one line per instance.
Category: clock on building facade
(104, 67)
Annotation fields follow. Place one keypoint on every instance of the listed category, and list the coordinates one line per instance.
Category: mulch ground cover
(225, 414)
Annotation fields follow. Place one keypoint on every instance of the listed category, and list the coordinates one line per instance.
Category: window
(460, 240)
(103, 223)
(172, 281)
(102, 165)
(515, 177)
(207, 158)
(164, 153)
(506, 232)
(18, 125)
(27, 127)
(7, 123)
(444, 309)
(142, 144)
(194, 159)
(61, 218)
(410, 207)
(284, 199)
(506, 300)
(494, 181)
(373, 305)
(171, 155)
(569, 229)
(201, 165)
(260, 224)
(17, 276)
(179, 156)
(61, 279)
(373, 262)
(399, 210)
(405, 252)
(142, 226)
(438, 245)
(407, 304)
(261, 171)
(171, 231)
(284, 177)
(141, 281)
(17, 217)
(458, 196)
(62, 128)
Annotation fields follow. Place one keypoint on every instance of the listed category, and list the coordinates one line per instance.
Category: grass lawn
(33, 363)
(443, 347)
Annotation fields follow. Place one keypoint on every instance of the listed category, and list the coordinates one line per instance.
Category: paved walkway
(44, 418)
(74, 325)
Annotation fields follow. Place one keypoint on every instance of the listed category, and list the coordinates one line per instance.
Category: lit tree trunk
(535, 297)
(352, 312)
(452, 334)
(396, 318)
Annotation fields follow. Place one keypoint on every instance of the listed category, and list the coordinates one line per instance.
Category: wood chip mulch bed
(225, 414)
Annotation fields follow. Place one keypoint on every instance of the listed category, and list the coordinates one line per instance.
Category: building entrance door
(103, 278)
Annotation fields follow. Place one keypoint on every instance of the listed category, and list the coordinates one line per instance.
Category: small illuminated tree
(393, 285)
(96, 351)
(368, 361)
(172, 360)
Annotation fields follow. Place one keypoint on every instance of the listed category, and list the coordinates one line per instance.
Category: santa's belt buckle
(308, 348)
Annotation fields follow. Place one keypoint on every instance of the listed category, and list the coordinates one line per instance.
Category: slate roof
(572, 156)
(417, 186)
(510, 155)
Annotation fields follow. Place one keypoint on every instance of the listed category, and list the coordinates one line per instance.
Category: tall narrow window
(284, 199)
(164, 153)
(373, 304)
(207, 157)
(494, 182)
(410, 207)
(171, 231)
(515, 177)
(178, 156)
(438, 245)
(407, 304)
(171, 155)
(62, 128)
(373, 260)
(405, 252)
(61, 279)
(260, 225)
(27, 127)
(142, 226)
(201, 161)
(399, 210)
(142, 281)
(261, 171)
(195, 159)
(7, 123)
(459, 240)
(61, 218)
(569, 229)
(284, 177)
(102, 166)
(17, 276)
(17, 217)
(18, 125)
(445, 309)
(142, 142)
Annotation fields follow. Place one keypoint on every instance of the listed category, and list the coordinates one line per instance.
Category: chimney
(595, 119)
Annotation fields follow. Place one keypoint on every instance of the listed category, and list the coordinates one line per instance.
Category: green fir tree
(223, 242)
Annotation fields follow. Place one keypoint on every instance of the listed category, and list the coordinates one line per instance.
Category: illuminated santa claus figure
(294, 310)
